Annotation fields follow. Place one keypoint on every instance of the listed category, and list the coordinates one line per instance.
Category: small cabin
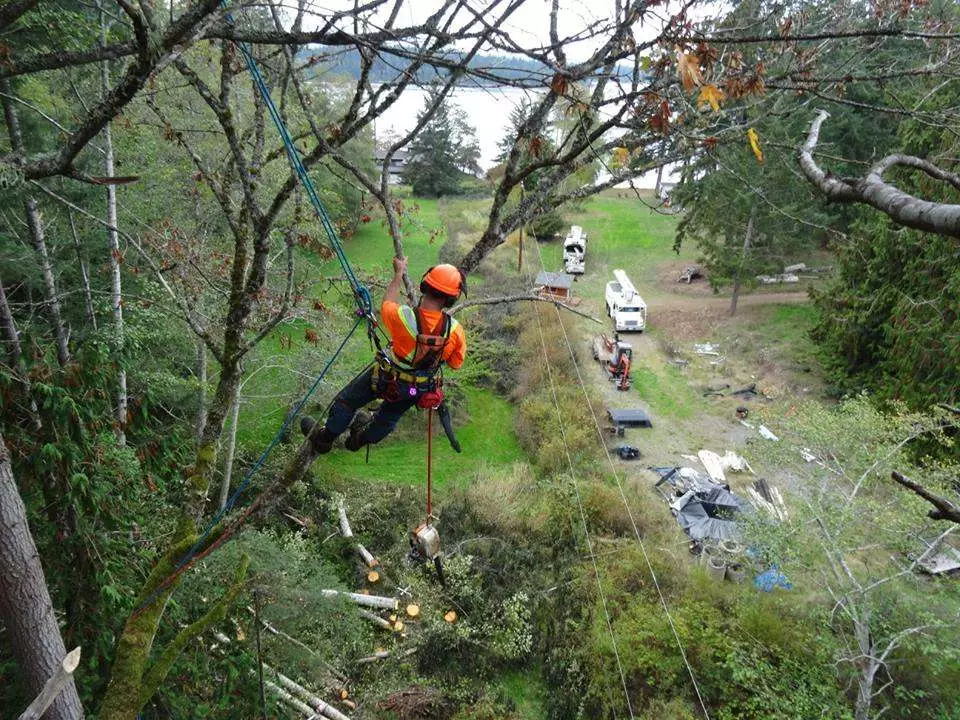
(398, 163)
(558, 286)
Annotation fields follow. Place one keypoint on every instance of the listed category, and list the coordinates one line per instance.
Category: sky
(488, 110)
(529, 25)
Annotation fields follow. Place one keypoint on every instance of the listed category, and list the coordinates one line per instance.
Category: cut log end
(71, 661)
(413, 610)
(373, 576)
(450, 617)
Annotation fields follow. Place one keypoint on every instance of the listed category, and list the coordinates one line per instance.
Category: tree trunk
(201, 372)
(15, 357)
(84, 274)
(231, 449)
(25, 606)
(113, 242)
(867, 666)
(35, 223)
(743, 258)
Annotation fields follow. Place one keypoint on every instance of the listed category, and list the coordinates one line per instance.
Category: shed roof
(554, 280)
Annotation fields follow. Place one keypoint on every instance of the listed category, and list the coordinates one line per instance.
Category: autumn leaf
(660, 120)
(559, 84)
(536, 145)
(754, 139)
(688, 67)
(710, 95)
(621, 156)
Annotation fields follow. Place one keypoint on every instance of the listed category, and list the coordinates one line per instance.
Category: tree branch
(520, 297)
(944, 509)
(901, 207)
(159, 670)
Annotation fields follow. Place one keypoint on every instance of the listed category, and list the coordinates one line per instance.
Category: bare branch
(944, 509)
(903, 208)
(520, 297)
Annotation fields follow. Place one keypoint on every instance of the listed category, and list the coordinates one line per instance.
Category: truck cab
(624, 304)
(574, 251)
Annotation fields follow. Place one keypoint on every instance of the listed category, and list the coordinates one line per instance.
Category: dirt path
(694, 303)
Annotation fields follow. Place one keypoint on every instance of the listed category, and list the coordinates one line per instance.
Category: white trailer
(574, 250)
(624, 304)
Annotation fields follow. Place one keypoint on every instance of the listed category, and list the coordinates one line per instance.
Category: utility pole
(520, 248)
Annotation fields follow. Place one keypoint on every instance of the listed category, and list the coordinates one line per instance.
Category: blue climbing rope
(361, 294)
(192, 554)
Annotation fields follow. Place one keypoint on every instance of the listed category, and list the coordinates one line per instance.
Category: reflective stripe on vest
(408, 316)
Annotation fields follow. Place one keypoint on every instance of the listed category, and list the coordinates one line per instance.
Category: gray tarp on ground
(633, 417)
(708, 510)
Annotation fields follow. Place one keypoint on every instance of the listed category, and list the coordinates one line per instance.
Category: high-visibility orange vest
(422, 339)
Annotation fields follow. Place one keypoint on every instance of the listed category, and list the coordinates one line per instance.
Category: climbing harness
(419, 373)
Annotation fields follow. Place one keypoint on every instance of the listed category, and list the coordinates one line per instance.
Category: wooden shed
(555, 285)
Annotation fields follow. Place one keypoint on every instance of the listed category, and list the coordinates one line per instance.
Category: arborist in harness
(621, 371)
(409, 373)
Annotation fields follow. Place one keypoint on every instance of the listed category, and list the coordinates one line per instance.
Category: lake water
(487, 110)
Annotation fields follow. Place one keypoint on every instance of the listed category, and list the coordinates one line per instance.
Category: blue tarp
(772, 578)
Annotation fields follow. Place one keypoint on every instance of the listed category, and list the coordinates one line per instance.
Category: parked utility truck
(624, 304)
(574, 250)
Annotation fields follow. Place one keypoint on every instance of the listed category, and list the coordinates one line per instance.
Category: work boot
(360, 422)
(321, 440)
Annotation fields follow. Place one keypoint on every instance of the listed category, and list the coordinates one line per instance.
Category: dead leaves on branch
(688, 68)
(710, 95)
(620, 157)
(716, 82)
(558, 85)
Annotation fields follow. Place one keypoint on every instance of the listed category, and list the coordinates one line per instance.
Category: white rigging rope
(623, 496)
(583, 516)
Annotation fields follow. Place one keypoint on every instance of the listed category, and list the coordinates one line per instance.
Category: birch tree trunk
(15, 357)
(25, 607)
(231, 449)
(113, 242)
(84, 274)
(37, 240)
(743, 258)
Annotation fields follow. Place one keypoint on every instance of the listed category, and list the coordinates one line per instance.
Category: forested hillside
(753, 517)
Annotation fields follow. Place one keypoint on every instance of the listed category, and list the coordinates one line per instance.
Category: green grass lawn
(621, 233)
(487, 438)
(527, 692)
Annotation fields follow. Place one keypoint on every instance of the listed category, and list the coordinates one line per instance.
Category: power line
(583, 516)
(623, 496)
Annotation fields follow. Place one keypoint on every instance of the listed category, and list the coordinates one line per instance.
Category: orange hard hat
(446, 279)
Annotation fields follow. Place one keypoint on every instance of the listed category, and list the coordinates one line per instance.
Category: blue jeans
(354, 396)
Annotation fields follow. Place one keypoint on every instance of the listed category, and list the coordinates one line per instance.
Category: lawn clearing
(487, 439)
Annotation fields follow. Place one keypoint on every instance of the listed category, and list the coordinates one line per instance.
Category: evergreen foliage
(890, 321)
(443, 155)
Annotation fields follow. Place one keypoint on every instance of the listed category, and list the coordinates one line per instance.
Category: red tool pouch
(431, 399)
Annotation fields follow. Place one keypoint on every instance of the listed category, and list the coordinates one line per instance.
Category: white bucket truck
(624, 304)
(574, 250)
